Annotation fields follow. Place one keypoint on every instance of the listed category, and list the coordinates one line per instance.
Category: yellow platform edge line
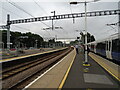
(105, 68)
(31, 55)
(66, 74)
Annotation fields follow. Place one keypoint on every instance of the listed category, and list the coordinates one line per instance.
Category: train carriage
(115, 48)
(108, 48)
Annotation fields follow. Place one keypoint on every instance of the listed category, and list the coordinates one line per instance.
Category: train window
(109, 45)
(101, 45)
(118, 45)
(115, 45)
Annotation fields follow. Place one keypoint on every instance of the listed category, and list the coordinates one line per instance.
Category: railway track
(12, 77)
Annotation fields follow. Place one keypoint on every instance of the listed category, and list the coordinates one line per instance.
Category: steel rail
(17, 69)
(31, 70)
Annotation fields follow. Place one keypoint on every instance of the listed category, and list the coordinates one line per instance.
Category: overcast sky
(37, 8)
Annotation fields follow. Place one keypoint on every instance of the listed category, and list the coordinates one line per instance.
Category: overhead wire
(73, 18)
(47, 13)
(15, 5)
(19, 27)
(16, 15)
(12, 3)
(22, 28)
(44, 11)
(11, 12)
(106, 26)
(40, 6)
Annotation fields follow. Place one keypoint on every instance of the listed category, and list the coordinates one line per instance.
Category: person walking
(76, 46)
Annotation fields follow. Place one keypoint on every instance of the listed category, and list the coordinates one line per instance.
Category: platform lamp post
(85, 3)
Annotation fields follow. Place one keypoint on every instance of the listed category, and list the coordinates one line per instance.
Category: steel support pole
(86, 59)
(52, 20)
(52, 25)
(119, 20)
(8, 32)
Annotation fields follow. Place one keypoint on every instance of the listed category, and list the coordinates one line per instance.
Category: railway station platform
(89, 78)
(70, 73)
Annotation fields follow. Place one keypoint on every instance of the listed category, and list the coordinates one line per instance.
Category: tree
(4, 38)
(74, 42)
(90, 38)
(31, 41)
(51, 41)
(16, 39)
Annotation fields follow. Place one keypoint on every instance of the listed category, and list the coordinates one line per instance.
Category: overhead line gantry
(55, 17)
(65, 16)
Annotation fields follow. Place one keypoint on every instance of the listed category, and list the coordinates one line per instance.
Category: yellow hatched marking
(86, 65)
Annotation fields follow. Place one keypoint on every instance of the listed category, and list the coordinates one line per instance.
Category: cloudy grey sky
(37, 8)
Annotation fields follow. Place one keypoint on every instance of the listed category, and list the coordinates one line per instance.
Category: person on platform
(76, 46)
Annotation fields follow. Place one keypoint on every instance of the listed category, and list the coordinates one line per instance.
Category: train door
(95, 47)
(109, 49)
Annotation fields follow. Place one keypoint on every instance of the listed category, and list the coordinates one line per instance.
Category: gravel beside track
(12, 54)
(14, 76)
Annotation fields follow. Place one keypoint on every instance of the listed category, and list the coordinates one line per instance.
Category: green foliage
(74, 42)
(52, 41)
(4, 37)
(90, 38)
(27, 40)
(15, 38)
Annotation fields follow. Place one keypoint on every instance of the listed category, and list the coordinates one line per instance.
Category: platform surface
(71, 74)
(89, 78)
(54, 76)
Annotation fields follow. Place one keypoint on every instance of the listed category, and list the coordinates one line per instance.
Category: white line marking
(44, 73)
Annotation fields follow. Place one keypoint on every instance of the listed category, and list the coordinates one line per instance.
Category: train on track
(108, 48)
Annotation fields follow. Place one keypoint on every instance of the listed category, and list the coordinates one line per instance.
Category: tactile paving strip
(98, 79)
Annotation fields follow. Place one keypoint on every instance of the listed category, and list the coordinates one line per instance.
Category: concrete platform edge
(111, 68)
(50, 73)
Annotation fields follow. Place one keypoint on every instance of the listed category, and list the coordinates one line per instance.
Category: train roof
(111, 37)
(114, 36)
